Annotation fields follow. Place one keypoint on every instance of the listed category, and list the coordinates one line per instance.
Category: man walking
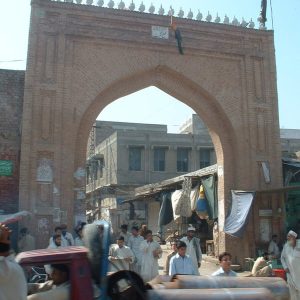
(124, 233)
(134, 243)
(151, 252)
(180, 263)
(193, 248)
(290, 259)
(120, 256)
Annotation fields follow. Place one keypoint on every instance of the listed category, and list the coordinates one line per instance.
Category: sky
(154, 106)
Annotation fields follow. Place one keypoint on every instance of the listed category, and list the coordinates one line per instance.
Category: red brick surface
(11, 107)
(81, 58)
(11, 103)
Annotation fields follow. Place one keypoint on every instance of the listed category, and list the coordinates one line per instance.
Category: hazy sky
(154, 105)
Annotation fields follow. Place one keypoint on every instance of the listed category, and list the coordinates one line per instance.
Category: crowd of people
(141, 254)
(137, 251)
(60, 238)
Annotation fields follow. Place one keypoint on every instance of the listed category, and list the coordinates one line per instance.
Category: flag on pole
(177, 35)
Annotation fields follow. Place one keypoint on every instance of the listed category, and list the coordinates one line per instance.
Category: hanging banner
(236, 221)
(6, 168)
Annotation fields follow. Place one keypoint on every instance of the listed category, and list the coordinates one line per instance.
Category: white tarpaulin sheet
(237, 219)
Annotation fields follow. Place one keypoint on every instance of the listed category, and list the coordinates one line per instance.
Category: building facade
(11, 108)
(290, 142)
(139, 154)
(81, 58)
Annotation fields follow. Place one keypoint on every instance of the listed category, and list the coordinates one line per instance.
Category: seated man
(58, 288)
(181, 263)
(225, 266)
(261, 266)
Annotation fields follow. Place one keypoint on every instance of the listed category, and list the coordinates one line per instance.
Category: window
(159, 159)
(182, 160)
(135, 159)
(205, 160)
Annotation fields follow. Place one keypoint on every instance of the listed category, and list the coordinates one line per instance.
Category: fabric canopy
(237, 219)
(166, 210)
(210, 190)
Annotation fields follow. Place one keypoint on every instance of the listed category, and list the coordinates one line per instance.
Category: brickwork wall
(81, 58)
(11, 107)
(11, 103)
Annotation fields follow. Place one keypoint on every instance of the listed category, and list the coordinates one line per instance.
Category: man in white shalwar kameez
(124, 233)
(193, 248)
(12, 279)
(151, 252)
(120, 256)
(134, 243)
(290, 259)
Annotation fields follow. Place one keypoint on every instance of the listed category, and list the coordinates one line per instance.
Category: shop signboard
(6, 168)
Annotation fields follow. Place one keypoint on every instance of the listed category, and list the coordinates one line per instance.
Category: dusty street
(207, 266)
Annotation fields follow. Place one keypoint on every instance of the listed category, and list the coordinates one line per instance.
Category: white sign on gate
(160, 32)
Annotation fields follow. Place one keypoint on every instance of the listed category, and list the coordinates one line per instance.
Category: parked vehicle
(88, 267)
(37, 275)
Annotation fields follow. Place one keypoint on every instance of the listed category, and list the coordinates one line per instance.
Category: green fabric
(211, 194)
(6, 168)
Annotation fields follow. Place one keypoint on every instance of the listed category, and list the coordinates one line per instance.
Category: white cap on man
(292, 233)
(191, 228)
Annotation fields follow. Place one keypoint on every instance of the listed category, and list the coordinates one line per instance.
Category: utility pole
(93, 166)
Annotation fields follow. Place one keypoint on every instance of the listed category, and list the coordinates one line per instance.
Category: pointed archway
(81, 58)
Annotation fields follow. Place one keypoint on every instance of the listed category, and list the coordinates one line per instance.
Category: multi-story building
(128, 155)
(137, 154)
(290, 142)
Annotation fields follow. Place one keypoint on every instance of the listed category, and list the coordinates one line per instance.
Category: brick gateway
(81, 58)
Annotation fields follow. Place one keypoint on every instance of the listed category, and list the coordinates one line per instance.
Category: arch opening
(186, 92)
(177, 86)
